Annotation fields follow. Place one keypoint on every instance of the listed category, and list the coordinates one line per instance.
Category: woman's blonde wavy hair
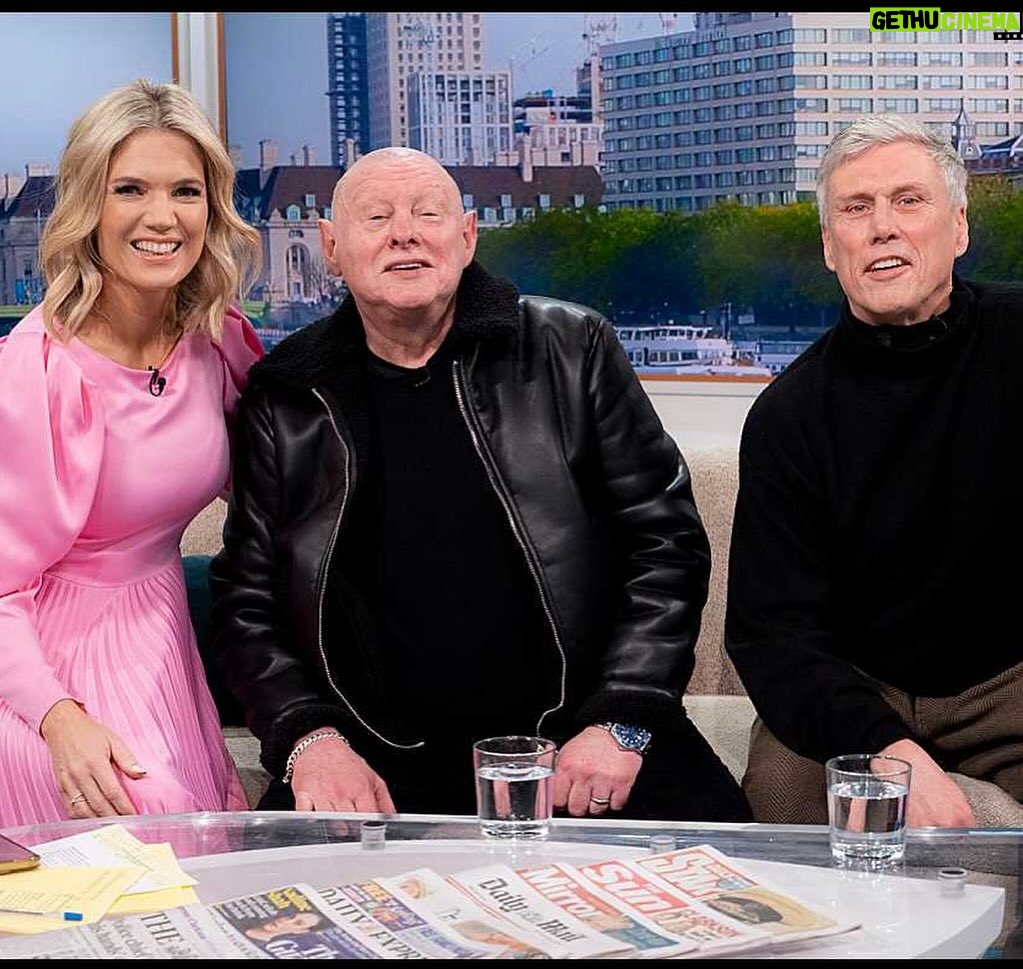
(231, 257)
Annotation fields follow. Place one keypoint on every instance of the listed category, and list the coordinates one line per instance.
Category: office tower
(398, 44)
(743, 106)
(460, 117)
(348, 89)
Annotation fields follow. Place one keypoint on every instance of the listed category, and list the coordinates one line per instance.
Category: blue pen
(63, 916)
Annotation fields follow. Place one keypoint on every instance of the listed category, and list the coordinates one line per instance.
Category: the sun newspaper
(636, 889)
(689, 902)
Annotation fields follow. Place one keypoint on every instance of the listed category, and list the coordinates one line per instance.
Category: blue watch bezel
(629, 736)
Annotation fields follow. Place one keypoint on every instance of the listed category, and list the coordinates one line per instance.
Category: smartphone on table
(16, 857)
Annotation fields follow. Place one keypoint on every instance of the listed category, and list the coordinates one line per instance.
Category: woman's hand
(87, 757)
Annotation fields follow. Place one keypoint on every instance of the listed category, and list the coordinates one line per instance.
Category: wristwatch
(628, 736)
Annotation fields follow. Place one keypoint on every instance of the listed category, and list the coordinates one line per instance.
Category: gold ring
(600, 800)
(78, 797)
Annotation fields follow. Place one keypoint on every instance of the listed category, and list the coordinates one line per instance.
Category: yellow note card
(159, 861)
(88, 892)
(136, 903)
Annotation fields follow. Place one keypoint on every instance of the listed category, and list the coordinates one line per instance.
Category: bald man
(456, 515)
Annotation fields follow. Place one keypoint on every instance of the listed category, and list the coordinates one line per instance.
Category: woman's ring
(600, 800)
(78, 797)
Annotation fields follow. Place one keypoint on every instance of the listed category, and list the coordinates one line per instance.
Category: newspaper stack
(685, 903)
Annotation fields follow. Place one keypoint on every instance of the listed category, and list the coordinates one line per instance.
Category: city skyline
(56, 64)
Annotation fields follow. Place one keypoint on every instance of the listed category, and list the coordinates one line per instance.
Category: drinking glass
(514, 781)
(867, 809)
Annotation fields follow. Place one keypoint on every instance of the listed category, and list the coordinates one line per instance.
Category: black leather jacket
(595, 491)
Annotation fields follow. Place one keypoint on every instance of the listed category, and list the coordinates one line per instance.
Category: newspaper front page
(637, 889)
(678, 904)
(505, 892)
(431, 939)
(705, 875)
(189, 932)
(496, 936)
(563, 885)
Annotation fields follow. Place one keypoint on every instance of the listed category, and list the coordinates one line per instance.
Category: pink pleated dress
(98, 479)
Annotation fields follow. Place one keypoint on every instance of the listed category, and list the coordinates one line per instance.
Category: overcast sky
(54, 65)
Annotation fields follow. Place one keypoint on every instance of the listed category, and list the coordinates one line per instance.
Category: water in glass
(868, 821)
(514, 800)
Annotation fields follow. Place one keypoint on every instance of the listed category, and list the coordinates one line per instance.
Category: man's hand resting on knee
(935, 800)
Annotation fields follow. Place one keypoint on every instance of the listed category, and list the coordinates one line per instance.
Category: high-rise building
(555, 129)
(460, 117)
(742, 107)
(398, 44)
(348, 86)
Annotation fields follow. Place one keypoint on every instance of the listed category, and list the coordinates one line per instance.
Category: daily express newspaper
(652, 906)
(413, 929)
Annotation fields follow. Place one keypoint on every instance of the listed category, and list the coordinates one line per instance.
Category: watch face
(630, 737)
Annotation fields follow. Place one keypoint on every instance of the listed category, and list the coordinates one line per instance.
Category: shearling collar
(486, 308)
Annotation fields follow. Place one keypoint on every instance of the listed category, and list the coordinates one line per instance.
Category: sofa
(715, 699)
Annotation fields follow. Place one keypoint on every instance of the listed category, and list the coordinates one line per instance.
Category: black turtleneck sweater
(878, 521)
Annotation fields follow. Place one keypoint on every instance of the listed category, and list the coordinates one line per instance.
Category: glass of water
(867, 809)
(514, 782)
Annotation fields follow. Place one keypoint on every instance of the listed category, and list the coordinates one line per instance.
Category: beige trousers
(979, 732)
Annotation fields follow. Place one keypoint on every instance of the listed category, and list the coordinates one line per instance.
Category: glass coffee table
(907, 912)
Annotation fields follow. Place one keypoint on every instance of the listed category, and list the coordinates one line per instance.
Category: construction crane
(599, 28)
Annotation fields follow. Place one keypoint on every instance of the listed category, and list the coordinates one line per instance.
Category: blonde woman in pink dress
(116, 395)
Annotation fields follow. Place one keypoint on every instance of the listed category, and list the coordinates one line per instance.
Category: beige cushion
(205, 533)
(715, 475)
(725, 722)
(993, 806)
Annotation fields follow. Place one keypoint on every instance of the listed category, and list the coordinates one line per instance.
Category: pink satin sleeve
(239, 347)
(53, 445)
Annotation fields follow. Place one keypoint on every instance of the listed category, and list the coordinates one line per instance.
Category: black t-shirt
(427, 543)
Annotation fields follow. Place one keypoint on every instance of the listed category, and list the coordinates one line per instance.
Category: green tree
(995, 216)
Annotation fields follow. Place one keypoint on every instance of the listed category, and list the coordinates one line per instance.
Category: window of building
(890, 58)
(941, 58)
(847, 35)
(931, 82)
(898, 82)
(854, 82)
(988, 105)
(856, 105)
(814, 58)
(895, 105)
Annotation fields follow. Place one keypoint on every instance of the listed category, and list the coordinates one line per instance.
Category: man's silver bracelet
(304, 744)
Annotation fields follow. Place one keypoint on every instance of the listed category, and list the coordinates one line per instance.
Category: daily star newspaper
(705, 875)
(636, 889)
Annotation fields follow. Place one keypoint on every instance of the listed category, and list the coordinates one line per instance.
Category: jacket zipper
(322, 590)
(493, 477)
